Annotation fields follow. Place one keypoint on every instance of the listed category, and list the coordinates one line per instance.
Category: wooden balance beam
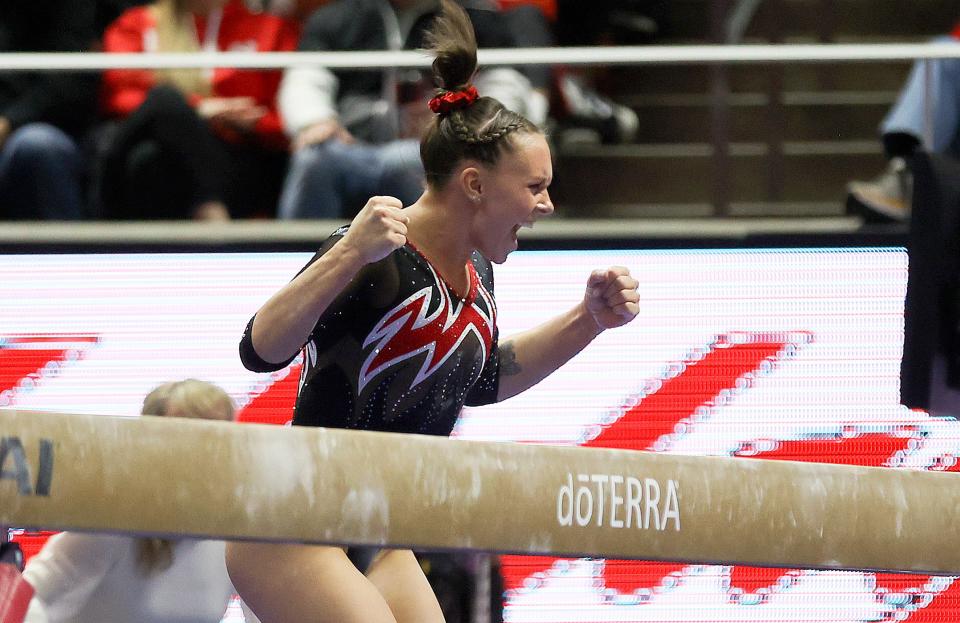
(171, 476)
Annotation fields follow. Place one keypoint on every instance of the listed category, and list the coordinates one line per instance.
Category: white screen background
(128, 322)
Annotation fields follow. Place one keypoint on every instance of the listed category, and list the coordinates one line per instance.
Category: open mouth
(515, 231)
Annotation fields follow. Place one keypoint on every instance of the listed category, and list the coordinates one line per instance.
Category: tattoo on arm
(509, 365)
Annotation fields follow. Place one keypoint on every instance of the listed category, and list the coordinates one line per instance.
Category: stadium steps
(824, 117)
(674, 179)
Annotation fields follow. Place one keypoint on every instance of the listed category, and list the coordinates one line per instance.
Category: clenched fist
(611, 297)
(378, 230)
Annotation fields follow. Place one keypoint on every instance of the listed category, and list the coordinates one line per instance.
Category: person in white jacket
(98, 578)
(355, 134)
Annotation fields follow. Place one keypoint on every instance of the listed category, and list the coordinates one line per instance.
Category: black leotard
(398, 350)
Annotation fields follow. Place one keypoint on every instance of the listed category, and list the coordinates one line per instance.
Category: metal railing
(719, 57)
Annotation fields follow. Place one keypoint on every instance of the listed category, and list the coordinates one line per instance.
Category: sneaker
(584, 107)
(633, 27)
(887, 197)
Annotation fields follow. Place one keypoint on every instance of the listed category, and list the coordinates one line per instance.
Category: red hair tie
(454, 100)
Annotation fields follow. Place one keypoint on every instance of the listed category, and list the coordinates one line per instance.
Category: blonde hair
(177, 32)
(188, 398)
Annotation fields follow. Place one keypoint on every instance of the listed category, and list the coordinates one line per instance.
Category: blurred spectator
(353, 132)
(296, 10)
(204, 144)
(44, 115)
(609, 22)
(92, 578)
(530, 27)
(887, 197)
(580, 110)
(546, 7)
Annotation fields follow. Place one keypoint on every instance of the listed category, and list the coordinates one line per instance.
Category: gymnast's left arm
(611, 300)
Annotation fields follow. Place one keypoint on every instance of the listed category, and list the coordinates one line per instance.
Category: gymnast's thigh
(399, 578)
(285, 583)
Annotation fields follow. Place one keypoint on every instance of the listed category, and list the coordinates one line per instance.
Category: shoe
(886, 198)
(632, 28)
(585, 107)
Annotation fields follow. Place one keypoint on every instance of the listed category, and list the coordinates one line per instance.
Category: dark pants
(41, 175)
(163, 160)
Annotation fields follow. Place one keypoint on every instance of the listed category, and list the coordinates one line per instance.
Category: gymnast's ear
(470, 183)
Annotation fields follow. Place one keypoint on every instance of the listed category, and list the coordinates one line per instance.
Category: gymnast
(396, 319)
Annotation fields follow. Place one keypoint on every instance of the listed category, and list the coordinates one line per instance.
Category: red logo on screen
(28, 360)
(658, 416)
(688, 395)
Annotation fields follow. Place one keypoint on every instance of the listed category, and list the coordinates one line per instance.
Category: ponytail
(466, 125)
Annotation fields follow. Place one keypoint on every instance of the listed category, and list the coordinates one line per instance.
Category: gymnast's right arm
(282, 326)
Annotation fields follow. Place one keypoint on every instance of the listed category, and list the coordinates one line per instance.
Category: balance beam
(179, 477)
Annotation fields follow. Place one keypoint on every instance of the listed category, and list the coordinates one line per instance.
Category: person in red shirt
(205, 144)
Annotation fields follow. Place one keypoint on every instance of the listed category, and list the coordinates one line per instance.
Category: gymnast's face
(513, 194)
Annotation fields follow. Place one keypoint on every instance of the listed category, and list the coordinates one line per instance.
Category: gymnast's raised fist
(611, 297)
(379, 229)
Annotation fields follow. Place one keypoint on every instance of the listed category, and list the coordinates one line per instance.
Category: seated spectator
(578, 108)
(193, 143)
(887, 197)
(44, 115)
(295, 10)
(353, 132)
(93, 578)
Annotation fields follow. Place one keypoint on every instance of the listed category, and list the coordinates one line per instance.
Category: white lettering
(600, 479)
(584, 493)
(634, 496)
(648, 503)
(566, 494)
(652, 493)
(672, 509)
(616, 501)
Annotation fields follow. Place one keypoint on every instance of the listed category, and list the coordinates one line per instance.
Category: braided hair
(479, 130)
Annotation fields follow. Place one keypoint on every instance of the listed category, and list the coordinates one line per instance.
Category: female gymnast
(397, 322)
